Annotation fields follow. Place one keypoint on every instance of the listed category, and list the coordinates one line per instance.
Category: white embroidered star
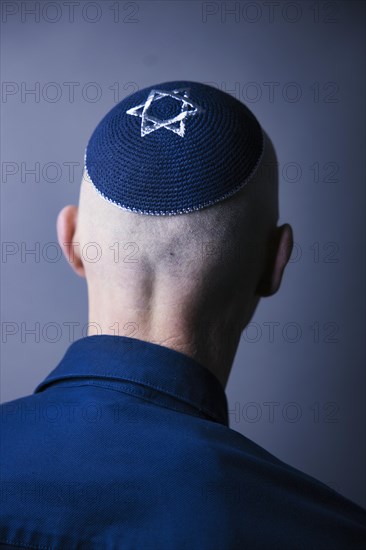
(176, 124)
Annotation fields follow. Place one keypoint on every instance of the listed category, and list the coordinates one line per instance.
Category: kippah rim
(198, 207)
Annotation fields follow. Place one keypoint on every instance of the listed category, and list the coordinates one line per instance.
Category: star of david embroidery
(176, 124)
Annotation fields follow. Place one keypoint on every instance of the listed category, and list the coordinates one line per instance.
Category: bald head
(221, 244)
(171, 275)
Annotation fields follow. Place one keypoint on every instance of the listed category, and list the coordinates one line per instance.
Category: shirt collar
(120, 358)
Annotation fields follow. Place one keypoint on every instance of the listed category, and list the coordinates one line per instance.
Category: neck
(207, 338)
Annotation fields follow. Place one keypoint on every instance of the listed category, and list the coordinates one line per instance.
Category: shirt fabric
(126, 445)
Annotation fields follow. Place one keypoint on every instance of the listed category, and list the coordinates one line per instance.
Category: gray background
(298, 391)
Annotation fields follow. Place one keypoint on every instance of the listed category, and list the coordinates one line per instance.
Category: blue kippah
(174, 148)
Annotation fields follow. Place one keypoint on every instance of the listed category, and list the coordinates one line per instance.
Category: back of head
(180, 196)
(183, 220)
(181, 176)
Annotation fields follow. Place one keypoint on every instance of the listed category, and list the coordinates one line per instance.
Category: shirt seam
(198, 414)
(25, 545)
(153, 387)
(137, 380)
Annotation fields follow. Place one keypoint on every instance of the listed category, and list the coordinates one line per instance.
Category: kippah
(173, 148)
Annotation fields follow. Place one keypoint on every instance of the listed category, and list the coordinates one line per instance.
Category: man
(176, 234)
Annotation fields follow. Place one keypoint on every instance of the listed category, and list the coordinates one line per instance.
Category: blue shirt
(126, 445)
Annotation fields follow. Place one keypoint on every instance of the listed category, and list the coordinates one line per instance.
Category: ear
(66, 228)
(279, 253)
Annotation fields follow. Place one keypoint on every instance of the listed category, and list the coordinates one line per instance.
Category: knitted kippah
(174, 148)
